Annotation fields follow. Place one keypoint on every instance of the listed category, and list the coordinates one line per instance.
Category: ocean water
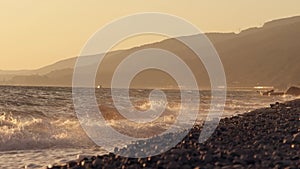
(38, 125)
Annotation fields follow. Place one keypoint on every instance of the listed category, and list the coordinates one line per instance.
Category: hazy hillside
(269, 55)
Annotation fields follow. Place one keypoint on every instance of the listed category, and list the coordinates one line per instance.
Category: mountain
(268, 55)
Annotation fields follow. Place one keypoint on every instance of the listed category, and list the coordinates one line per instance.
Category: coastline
(263, 138)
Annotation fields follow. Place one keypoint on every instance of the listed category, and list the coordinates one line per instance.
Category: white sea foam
(38, 126)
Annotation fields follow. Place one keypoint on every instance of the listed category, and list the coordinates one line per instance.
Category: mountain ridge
(266, 55)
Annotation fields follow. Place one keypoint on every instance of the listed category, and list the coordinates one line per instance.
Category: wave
(29, 132)
(45, 118)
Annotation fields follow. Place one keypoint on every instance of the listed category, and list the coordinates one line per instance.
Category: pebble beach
(263, 138)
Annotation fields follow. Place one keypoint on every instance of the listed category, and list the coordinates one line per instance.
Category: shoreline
(263, 138)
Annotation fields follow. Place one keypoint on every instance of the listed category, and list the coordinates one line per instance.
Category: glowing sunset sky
(35, 33)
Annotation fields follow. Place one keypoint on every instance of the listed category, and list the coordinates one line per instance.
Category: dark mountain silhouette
(269, 55)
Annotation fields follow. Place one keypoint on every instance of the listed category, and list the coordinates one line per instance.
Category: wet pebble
(264, 138)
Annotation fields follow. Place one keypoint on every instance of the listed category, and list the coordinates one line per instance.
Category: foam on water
(38, 159)
(38, 125)
(27, 133)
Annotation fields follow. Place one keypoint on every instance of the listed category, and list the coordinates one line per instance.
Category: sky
(37, 33)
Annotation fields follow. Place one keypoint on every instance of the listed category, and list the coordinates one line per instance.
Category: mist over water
(41, 120)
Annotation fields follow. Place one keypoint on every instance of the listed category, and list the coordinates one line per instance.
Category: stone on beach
(263, 138)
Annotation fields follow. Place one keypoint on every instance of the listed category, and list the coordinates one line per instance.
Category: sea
(39, 126)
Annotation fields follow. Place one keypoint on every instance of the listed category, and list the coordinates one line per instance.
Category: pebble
(264, 138)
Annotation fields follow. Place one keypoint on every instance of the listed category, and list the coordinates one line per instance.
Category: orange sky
(35, 33)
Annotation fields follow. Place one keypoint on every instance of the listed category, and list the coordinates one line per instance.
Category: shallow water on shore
(38, 125)
(43, 157)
